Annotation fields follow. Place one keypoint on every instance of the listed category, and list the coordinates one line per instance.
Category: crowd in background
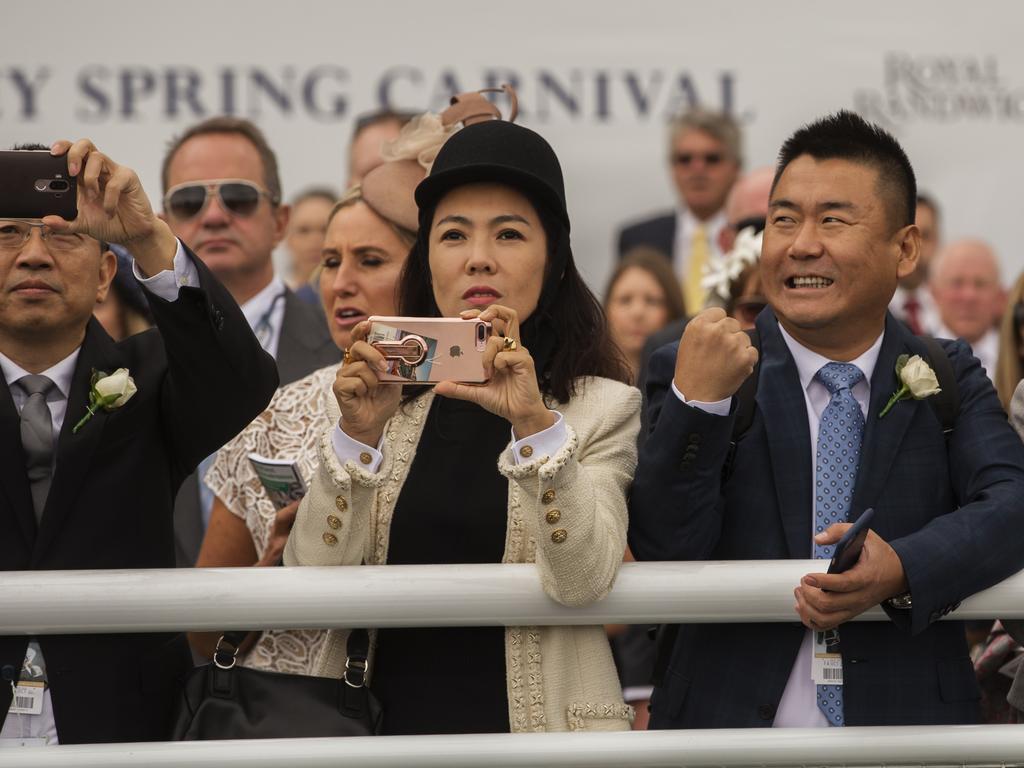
(349, 244)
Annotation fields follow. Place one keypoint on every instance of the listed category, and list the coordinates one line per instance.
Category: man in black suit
(84, 485)
(705, 154)
(222, 196)
(828, 440)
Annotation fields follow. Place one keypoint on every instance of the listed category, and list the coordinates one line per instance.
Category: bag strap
(357, 665)
(947, 402)
(746, 404)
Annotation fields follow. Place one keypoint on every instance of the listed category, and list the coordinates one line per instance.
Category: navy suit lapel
(13, 480)
(784, 409)
(75, 451)
(882, 437)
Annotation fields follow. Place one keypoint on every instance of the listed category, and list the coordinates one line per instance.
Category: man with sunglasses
(87, 485)
(222, 197)
(705, 156)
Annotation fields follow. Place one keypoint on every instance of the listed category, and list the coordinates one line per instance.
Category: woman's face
(636, 309)
(487, 246)
(362, 259)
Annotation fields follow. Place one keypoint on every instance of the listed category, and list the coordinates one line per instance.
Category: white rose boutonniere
(108, 392)
(917, 380)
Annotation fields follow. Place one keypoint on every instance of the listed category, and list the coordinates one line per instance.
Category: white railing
(896, 746)
(56, 602)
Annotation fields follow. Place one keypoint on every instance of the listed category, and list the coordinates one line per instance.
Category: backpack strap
(746, 404)
(947, 402)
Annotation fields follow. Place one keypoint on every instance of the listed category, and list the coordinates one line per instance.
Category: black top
(453, 508)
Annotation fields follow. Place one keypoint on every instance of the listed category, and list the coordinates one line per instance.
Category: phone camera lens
(59, 185)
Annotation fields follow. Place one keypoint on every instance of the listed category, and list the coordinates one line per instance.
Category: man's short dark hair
(233, 126)
(847, 136)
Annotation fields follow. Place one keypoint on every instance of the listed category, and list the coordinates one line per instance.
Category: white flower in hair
(721, 271)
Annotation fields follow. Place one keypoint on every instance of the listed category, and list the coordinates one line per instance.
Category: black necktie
(37, 438)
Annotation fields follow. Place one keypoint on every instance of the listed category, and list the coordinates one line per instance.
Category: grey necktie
(37, 438)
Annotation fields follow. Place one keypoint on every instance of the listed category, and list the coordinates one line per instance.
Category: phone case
(34, 183)
(426, 350)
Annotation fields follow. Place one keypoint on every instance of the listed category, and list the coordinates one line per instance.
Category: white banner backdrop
(597, 79)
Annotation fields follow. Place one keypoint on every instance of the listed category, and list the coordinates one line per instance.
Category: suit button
(526, 451)
(218, 319)
(365, 457)
(559, 536)
(553, 516)
(340, 503)
(330, 539)
(765, 712)
(694, 439)
(334, 522)
(549, 496)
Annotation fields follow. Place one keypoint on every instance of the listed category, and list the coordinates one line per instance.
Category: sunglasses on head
(686, 158)
(237, 196)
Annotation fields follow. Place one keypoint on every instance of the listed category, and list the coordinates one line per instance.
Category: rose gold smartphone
(426, 350)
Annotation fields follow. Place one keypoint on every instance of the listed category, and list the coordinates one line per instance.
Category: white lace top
(288, 429)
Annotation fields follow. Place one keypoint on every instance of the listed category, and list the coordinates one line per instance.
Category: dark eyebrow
(828, 205)
(497, 220)
(454, 219)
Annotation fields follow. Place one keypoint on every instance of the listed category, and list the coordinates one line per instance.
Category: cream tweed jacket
(558, 678)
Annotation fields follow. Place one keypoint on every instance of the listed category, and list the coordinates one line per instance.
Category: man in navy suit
(948, 508)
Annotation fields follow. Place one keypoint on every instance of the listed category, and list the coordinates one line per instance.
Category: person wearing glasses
(85, 485)
(705, 155)
(222, 197)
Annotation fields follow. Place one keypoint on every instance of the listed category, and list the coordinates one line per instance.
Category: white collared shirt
(56, 399)
(928, 314)
(799, 705)
(686, 224)
(267, 307)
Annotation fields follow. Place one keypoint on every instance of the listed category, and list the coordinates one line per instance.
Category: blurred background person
(705, 156)
(1010, 365)
(642, 296)
(372, 131)
(304, 240)
(125, 310)
(913, 303)
(969, 297)
(222, 198)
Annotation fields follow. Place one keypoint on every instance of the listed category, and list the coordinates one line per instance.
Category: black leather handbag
(224, 701)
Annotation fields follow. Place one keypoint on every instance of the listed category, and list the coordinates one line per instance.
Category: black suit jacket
(953, 513)
(657, 232)
(305, 346)
(201, 378)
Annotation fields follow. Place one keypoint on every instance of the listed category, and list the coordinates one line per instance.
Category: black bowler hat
(501, 152)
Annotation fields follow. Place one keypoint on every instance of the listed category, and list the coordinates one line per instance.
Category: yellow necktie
(692, 290)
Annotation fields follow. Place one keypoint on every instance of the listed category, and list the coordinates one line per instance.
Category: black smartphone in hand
(34, 183)
(849, 546)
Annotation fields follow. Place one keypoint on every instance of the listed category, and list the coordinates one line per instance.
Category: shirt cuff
(717, 408)
(547, 442)
(347, 449)
(166, 283)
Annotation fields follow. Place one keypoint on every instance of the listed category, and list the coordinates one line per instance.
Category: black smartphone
(848, 548)
(34, 183)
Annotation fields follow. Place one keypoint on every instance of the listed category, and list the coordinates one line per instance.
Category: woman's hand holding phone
(512, 390)
(366, 403)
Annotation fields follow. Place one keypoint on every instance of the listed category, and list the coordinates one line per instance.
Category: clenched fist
(715, 357)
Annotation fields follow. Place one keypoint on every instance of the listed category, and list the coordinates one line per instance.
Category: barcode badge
(827, 669)
(28, 699)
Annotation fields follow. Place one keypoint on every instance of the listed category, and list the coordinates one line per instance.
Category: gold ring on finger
(347, 358)
(508, 344)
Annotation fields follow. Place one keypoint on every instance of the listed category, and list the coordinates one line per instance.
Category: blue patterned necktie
(838, 455)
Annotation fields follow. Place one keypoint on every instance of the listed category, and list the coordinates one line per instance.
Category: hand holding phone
(36, 184)
(848, 548)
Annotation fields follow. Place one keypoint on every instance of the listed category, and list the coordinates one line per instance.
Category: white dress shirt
(799, 705)
(41, 729)
(686, 224)
(986, 349)
(547, 442)
(267, 307)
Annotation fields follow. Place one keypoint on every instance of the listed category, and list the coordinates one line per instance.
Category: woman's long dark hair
(567, 334)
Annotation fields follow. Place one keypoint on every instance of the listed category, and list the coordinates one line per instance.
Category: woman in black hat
(531, 467)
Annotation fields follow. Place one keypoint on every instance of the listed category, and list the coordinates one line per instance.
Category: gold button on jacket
(559, 536)
(340, 503)
(365, 457)
(334, 522)
(553, 516)
(330, 539)
(526, 451)
(549, 496)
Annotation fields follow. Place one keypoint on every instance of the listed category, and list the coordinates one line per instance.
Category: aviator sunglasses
(237, 196)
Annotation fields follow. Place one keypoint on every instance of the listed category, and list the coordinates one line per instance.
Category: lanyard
(263, 329)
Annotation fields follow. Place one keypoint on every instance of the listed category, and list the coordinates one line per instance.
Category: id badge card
(28, 698)
(826, 662)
